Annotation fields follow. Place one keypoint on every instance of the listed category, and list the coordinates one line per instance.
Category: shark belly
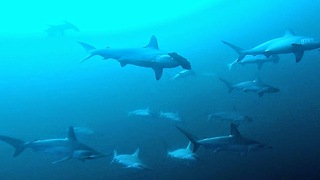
(55, 147)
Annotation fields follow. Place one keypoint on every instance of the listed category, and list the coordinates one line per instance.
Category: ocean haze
(45, 89)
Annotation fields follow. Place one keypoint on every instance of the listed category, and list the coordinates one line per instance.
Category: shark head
(310, 42)
(183, 62)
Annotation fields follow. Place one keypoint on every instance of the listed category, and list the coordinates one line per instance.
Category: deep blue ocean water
(45, 89)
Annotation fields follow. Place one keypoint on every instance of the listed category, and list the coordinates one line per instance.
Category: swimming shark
(68, 148)
(233, 116)
(183, 153)
(143, 113)
(234, 142)
(129, 160)
(54, 30)
(289, 43)
(183, 74)
(255, 59)
(251, 86)
(149, 56)
(170, 116)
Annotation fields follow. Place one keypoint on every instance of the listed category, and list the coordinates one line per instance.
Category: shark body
(149, 56)
(68, 148)
(232, 116)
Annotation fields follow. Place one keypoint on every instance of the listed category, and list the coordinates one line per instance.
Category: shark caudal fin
(88, 48)
(18, 144)
(228, 84)
(237, 49)
(115, 154)
(192, 138)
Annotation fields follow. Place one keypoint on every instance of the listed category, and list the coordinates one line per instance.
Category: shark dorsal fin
(189, 145)
(136, 153)
(234, 131)
(289, 33)
(257, 79)
(71, 134)
(153, 43)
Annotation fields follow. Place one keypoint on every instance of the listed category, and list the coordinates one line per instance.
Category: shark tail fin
(115, 154)
(18, 144)
(192, 138)
(88, 48)
(234, 130)
(237, 49)
(228, 84)
(230, 65)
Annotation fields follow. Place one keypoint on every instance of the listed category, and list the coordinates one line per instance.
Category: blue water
(44, 89)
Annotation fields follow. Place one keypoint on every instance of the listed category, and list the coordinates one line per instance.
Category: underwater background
(45, 89)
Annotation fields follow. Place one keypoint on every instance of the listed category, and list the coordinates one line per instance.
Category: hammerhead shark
(233, 116)
(183, 153)
(234, 142)
(259, 59)
(68, 148)
(129, 160)
(253, 86)
(149, 56)
(54, 30)
(289, 43)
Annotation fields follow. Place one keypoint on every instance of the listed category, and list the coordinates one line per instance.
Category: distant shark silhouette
(183, 153)
(233, 116)
(259, 59)
(289, 43)
(234, 142)
(67, 148)
(149, 56)
(55, 30)
(183, 74)
(129, 160)
(251, 86)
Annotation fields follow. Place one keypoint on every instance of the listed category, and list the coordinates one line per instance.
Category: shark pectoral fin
(298, 51)
(158, 72)
(62, 160)
(299, 55)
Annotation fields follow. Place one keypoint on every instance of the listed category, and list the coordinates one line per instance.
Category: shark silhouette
(67, 148)
(234, 142)
(149, 56)
(289, 43)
